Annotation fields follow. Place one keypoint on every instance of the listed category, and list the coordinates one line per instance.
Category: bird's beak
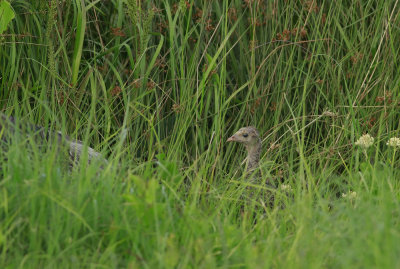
(230, 139)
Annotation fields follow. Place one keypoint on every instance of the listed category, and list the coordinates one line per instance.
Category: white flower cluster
(350, 195)
(365, 141)
(394, 142)
(286, 187)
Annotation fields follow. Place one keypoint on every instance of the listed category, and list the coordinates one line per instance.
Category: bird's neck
(253, 155)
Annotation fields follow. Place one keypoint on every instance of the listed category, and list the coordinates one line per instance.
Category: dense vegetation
(158, 87)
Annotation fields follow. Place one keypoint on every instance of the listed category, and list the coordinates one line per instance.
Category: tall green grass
(158, 87)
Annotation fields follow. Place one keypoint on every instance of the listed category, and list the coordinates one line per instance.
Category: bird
(250, 138)
(10, 127)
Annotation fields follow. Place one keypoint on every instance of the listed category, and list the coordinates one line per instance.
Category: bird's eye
(245, 135)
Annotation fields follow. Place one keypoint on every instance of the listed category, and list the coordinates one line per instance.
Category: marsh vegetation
(158, 87)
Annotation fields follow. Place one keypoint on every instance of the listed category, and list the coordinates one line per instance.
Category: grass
(158, 88)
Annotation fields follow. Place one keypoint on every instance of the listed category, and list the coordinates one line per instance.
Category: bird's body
(10, 129)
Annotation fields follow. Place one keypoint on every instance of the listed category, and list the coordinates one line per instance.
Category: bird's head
(247, 135)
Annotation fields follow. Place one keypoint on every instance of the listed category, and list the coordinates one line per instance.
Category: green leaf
(6, 15)
(79, 37)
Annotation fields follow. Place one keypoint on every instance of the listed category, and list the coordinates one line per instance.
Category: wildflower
(286, 187)
(394, 142)
(350, 195)
(365, 141)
